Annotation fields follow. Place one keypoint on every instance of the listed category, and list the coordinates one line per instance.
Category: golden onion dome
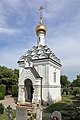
(41, 27)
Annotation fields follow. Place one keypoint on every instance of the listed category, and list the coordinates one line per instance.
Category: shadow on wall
(49, 98)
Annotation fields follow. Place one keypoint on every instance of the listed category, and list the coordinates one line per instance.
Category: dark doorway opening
(28, 90)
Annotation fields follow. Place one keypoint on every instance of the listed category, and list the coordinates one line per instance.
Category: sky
(18, 20)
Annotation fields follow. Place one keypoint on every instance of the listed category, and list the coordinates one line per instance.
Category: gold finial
(41, 14)
(41, 27)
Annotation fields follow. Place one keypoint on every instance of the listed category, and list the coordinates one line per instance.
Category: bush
(1, 108)
(1, 96)
(71, 92)
(46, 117)
(65, 90)
(75, 91)
(14, 90)
(3, 89)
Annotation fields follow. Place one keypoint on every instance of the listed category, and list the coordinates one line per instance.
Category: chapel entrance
(28, 90)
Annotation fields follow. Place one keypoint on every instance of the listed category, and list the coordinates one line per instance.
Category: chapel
(39, 71)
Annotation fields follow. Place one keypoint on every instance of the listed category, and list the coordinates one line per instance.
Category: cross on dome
(41, 8)
(41, 27)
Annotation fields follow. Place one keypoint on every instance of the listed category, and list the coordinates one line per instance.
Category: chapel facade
(39, 71)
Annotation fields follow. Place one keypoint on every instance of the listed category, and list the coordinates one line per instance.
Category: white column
(21, 97)
(41, 40)
(36, 94)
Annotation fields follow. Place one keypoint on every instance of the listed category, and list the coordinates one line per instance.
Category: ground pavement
(8, 100)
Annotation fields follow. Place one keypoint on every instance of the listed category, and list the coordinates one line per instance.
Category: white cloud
(10, 31)
(10, 56)
(63, 29)
(67, 48)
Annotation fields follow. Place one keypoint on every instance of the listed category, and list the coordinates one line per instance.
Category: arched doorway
(28, 90)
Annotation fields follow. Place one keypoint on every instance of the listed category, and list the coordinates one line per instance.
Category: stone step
(26, 105)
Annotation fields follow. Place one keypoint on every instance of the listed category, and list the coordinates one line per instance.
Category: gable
(29, 73)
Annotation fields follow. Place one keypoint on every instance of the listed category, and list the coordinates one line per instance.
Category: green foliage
(4, 116)
(66, 100)
(31, 115)
(75, 115)
(65, 90)
(46, 117)
(13, 114)
(75, 91)
(1, 96)
(57, 106)
(3, 89)
(69, 111)
(1, 108)
(76, 82)
(8, 77)
(71, 91)
(64, 81)
(14, 90)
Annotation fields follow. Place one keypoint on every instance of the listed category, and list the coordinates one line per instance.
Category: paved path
(8, 100)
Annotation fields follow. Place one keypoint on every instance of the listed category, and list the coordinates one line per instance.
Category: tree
(14, 90)
(64, 81)
(76, 82)
(8, 77)
(75, 91)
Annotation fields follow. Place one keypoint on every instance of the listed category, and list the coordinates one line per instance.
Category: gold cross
(41, 13)
(41, 8)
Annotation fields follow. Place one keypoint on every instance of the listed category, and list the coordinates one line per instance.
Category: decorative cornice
(51, 86)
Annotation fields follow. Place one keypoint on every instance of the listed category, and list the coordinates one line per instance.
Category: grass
(68, 108)
(66, 100)
(46, 117)
(5, 116)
